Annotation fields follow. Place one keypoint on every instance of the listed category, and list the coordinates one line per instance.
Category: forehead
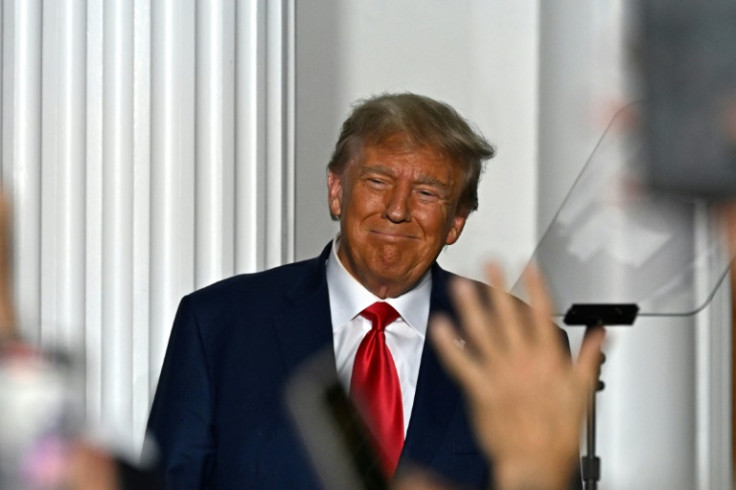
(400, 156)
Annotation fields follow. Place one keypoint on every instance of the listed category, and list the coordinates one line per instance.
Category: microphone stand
(597, 316)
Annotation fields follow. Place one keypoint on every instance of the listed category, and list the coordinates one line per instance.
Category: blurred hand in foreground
(527, 399)
(91, 468)
(7, 314)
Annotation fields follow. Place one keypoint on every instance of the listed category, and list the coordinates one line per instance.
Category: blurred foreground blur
(43, 440)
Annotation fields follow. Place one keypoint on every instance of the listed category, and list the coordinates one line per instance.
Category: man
(402, 182)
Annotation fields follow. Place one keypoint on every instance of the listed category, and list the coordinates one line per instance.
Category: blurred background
(151, 147)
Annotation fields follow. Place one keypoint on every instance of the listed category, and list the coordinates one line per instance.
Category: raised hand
(527, 399)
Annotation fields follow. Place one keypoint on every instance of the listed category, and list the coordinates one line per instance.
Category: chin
(398, 274)
(392, 263)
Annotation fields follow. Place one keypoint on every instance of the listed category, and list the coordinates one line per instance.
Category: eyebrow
(377, 169)
(427, 180)
(422, 180)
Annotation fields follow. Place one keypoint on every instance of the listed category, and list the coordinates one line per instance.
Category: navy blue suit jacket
(218, 414)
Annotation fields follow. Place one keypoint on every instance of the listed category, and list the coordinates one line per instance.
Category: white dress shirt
(404, 337)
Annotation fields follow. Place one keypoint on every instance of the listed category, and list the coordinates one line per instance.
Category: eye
(376, 182)
(427, 195)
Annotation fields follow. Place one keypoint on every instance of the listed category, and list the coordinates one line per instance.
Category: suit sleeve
(180, 422)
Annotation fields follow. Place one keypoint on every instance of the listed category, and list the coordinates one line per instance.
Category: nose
(398, 204)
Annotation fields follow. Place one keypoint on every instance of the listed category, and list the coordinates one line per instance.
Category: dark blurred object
(134, 477)
(688, 61)
(331, 428)
(593, 315)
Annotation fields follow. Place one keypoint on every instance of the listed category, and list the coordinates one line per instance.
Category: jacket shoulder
(269, 283)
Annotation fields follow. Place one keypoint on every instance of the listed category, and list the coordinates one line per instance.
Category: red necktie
(375, 387)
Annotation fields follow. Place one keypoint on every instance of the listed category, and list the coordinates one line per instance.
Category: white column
(141, 216)
(172, 168)
(250, 135)
(93, 335)
(713, 360)
(128, 196)
(279, 132)
(117, 216)
(215, 143)
(70, 253)
(22, 152)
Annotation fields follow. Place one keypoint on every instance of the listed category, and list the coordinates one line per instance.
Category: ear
(458, 223)
(334, 193)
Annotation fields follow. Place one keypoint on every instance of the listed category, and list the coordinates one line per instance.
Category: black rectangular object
(601, 314)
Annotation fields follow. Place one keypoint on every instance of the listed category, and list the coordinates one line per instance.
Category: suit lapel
(305, 327)
(437, 396)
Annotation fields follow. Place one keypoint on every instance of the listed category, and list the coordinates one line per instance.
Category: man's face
(398, 207)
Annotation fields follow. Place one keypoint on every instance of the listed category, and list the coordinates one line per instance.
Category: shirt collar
(348, 297)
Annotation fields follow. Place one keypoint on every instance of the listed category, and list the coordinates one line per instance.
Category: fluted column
(146, 149)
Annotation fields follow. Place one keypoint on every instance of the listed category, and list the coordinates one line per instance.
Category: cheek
(365, 203)
(434, 221)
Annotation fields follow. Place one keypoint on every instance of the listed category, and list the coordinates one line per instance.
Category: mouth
(393, 236)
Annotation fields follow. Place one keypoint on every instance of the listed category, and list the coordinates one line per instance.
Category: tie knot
(380, 314)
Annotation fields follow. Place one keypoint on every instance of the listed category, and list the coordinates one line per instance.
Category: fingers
(7, 314)
(474, 317)
(514, 363)
(589, 358)
(506, 329)
(415, 479)
(542, 328)
(455, 358)
(504, 309)
(502, 327)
